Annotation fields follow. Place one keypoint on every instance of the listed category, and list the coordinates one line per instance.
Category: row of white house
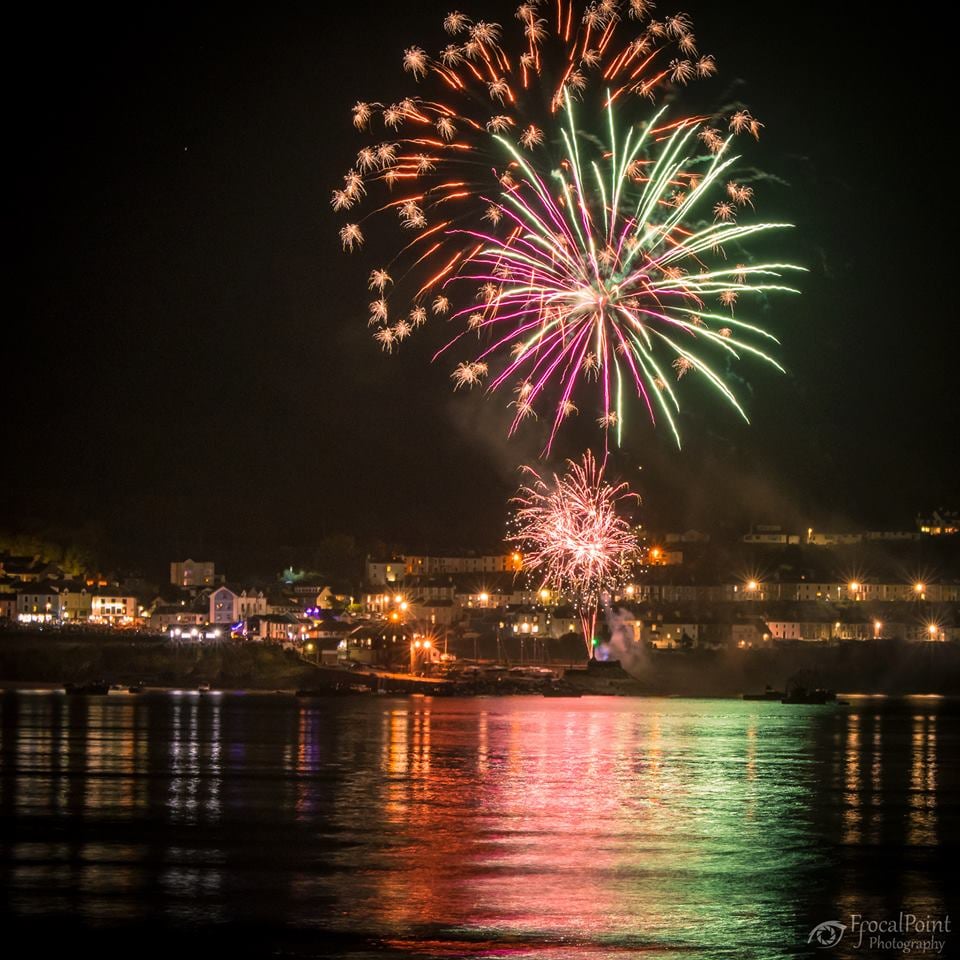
(802, 590)
(61, 604)
(38, 604)
(445, 599)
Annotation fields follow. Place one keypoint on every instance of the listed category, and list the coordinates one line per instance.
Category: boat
(557, 691)
(818, 695)
(768, 694)
(203, 688)
(806, 686)
(118, 690)
(97, 689)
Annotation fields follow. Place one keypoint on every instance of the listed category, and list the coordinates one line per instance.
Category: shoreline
(45, 688)
(890, 668)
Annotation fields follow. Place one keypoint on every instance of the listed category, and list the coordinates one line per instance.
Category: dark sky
(187, 365)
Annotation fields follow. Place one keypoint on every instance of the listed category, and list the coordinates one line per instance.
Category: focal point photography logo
(827, 934)
(907, 933)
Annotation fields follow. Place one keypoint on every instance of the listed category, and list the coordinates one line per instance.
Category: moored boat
(768, 694)
(816, 696)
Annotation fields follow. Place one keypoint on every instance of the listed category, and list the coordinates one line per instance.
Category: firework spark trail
(595, 265)
(574, 535)
(576, 274)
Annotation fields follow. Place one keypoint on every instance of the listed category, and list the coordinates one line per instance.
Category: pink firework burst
(574, 534)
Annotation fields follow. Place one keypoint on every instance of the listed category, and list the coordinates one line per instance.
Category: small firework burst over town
(575, 534)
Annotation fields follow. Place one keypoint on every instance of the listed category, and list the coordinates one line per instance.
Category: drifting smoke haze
(731, 485)
(624, 645)
(484, 425)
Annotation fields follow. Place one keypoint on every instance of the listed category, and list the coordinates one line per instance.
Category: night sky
(187, 364)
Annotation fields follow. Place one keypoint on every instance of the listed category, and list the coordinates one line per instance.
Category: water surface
(598, 827)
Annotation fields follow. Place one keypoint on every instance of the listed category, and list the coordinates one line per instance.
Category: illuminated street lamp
(877, 627)
(920, 588)
(420, 648)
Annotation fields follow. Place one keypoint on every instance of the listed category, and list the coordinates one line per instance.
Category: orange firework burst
(436, 151)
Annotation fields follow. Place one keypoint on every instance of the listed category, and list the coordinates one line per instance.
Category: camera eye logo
(827, 934)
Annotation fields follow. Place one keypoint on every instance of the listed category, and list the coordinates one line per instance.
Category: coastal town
(420, 612)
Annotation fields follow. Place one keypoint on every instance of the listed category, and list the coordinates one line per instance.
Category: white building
(114, 609)
(228, 606)
(39, 604)
(77, 605)
(275, 628)
(383, 573)
(479, 597)
(668, 636)
(852, 590)
(177, 615)
(940, 523)
(818, 539)
(192, 573)
(427, 566)
(800, 630)
(770, 538)
(436, 613)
